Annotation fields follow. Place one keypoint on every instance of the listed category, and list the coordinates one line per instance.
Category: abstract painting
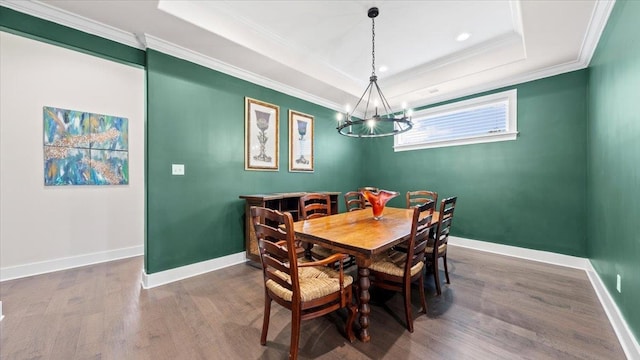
(82, 148)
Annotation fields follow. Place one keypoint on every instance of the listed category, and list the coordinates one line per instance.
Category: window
(483, 119)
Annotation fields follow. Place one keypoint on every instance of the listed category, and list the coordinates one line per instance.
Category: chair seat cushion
(315, 282)
(441, 249)
(393, 263)
(320, 252)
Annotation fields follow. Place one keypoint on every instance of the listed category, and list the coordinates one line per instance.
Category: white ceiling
(321, 50)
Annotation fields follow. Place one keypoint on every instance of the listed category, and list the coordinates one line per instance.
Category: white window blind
(482, 119)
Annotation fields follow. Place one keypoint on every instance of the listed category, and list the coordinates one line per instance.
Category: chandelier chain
(373, 46)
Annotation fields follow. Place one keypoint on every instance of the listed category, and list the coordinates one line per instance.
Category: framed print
(261, 131)
(300, 142)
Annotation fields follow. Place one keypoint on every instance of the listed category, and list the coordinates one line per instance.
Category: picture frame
(301, 134)
(262, 129)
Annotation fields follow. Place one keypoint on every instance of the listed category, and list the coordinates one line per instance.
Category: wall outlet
(177, 169)
(619, 283)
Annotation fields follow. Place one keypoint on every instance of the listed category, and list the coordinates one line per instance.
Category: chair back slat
(270, 233)
(275, 264)
(278, 279)
(273, 249)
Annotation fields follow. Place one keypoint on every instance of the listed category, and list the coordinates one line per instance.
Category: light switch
(177, 169)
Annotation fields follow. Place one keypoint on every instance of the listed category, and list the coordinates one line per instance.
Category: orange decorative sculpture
(378, 200)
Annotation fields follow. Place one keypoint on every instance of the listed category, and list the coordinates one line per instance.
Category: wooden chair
(437, 247)
(312, 206)
(420, 196)
(308, 289)
(354, 201)
(397, 270)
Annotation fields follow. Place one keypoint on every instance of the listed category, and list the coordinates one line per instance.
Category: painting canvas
(300, 142)
(82, 148)
(261, 135)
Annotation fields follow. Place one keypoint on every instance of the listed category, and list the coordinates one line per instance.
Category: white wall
(48, 228)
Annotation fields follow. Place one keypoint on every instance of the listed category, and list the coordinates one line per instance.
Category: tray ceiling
(321, 50)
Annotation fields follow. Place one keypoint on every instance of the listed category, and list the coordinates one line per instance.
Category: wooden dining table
(357, 233)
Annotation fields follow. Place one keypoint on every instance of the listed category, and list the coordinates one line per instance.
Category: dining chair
(420, 196)
(308, 289)
(397, 270)
(314, 205)
(354, 200)
(437, 247)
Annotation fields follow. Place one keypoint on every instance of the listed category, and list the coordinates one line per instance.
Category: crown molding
(512, 39)
(214, 64)
(596, 26)
(509, 81)
(62, 17)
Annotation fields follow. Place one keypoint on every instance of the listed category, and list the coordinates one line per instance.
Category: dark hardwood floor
(495, 308)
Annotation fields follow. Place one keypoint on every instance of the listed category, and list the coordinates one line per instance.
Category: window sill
(466, 141)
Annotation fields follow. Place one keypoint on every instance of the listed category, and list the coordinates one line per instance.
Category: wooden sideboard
(278, 201)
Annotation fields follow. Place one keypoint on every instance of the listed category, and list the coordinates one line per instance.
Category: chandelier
(372, 123)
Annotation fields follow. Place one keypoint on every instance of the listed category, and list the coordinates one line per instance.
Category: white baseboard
(522, 253)
(623, 332)
(183, 272)
(627, 340)
(37, 268)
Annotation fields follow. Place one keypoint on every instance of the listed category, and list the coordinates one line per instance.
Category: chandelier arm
(366, 109)
(383, 99)
(360, 100)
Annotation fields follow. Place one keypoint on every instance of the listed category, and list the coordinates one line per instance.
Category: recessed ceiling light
(383, 68)
(463, 36)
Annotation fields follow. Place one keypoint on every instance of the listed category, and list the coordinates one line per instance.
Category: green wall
(528, 193)
(614, 159)
(196, 118)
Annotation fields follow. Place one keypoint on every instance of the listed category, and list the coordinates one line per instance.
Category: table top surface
(357, 232)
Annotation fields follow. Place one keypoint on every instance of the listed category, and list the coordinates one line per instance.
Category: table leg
(365, 310)
(307, 250)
